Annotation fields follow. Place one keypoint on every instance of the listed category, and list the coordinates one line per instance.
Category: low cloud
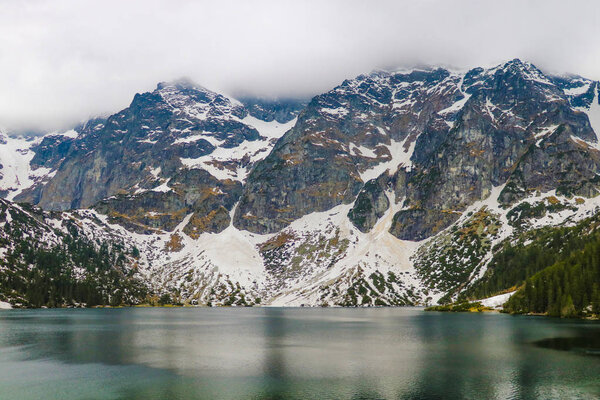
(63, 61)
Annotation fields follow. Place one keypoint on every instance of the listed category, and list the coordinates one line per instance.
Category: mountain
(457, 135)
(393, 188)
(178, 150)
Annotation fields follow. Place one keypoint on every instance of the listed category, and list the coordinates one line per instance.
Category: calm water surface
(272, 353)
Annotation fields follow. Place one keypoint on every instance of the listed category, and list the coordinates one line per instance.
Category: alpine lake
(294, 353)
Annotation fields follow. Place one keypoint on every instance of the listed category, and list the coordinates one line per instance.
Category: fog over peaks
(63, 61)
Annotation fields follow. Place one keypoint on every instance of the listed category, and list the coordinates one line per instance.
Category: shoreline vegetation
(462, 307)
(477, 307)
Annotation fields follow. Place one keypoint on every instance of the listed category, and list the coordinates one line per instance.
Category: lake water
(274, 353)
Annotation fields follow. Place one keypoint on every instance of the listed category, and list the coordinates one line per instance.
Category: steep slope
(517, 129)
(568, 288)
(436, 132)
(555, 269)
(553, 207)
(59, 259)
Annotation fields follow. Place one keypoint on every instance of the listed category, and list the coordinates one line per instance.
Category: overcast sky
(62, 61)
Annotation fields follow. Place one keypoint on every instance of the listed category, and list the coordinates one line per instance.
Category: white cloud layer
(62, 61)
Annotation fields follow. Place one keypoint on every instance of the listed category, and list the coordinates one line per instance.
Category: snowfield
(496, 301)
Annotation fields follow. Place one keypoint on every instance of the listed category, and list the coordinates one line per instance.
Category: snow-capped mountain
(394, 188)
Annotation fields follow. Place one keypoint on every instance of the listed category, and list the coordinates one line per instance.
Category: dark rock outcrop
(280, 110)
(370, 205)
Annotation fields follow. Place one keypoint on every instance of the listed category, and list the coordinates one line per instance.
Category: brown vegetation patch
(175, 243)
(277, 241)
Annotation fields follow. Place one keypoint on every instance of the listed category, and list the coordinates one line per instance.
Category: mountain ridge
(352, 201)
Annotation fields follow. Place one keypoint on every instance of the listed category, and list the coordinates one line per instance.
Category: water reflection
(588, 345)
(456, 359)
(274, 365)
(271, 353)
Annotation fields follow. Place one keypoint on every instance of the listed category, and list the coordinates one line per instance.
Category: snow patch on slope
(16, 173)
(496, 301)
(375, 251)
(235, 163)
(400, 157)
(458, 105)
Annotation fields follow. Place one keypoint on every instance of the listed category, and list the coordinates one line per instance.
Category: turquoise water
(274, 353)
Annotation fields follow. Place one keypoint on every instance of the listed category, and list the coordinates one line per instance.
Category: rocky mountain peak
(363, 128)
(180, 151)
(455, 136)
(194, 101)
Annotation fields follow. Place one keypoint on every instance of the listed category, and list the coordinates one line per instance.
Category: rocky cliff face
(392, 188)
(280, 110)
(516, 128)
(342, 139)
(445, 139)
(178, 150)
